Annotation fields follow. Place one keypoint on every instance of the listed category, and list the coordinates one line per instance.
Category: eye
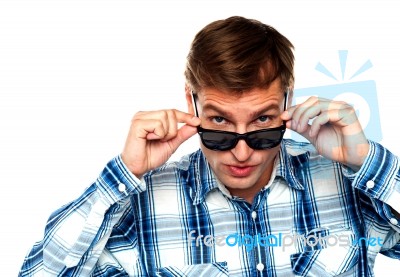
(218, 119)
(264, 118)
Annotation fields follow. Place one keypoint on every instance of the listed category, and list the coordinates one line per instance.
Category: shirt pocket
(330, 261)
(197, 270)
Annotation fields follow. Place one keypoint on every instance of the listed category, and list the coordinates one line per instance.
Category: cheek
(214, 158)
(267, 156)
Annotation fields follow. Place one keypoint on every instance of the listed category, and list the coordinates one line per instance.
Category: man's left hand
(332, 127)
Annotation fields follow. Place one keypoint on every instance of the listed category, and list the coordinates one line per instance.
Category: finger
(298, 116)
(152, 129)
(161, 125)
(172, 125)
(306, 118)
(187, 118)
(173, 118)
(293, 113)
(183, 134)
(322, 119)
(325, 104)
(304, 132)
(150, 125)
(304, 113)
(181, 117)
(346, 119)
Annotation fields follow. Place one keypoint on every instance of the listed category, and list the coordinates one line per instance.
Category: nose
(242, 151)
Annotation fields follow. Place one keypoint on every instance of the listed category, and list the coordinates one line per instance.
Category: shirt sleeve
(379, 180)
(379, 177)
(76, 234)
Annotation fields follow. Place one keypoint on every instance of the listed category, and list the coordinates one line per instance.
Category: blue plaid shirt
(314, 218)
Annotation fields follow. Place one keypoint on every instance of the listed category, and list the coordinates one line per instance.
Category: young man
(247, 203)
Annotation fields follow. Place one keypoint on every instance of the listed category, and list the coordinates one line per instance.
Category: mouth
(240, 171)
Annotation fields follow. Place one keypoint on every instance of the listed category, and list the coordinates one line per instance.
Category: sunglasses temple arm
(194, 104)
(286, 100)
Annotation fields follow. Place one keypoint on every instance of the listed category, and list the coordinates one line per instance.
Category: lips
(240, 171)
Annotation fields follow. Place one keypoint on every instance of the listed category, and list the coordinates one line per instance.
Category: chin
(238, 183)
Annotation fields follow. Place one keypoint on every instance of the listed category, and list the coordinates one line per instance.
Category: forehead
(252, 99)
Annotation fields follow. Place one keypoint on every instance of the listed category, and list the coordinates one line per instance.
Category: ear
(189, 99)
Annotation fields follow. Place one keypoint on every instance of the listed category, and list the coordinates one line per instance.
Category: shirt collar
(291, 159)
(293, 156)
(204, 178)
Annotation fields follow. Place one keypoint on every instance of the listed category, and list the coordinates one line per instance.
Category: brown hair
(238, 54)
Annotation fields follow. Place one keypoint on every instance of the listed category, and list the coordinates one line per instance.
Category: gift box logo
(362, 95)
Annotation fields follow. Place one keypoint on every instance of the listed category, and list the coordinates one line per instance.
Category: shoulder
(295, 148)
(171, 171)
(183, 164)
(305, 159)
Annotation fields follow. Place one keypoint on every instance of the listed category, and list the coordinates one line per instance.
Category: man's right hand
(154, 136)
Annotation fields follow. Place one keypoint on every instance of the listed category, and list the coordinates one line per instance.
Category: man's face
(243, 170)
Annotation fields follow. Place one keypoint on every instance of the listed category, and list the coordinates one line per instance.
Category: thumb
(305, 133)
(184, 133)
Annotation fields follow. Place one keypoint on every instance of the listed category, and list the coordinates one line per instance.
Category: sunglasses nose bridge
(241, 137)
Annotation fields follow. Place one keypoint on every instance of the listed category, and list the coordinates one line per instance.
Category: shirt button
(370, 184)
(121, 187)
(394, 221)
(254, 214)
(260, 267)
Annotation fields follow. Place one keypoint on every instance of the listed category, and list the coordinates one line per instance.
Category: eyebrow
(253, 114)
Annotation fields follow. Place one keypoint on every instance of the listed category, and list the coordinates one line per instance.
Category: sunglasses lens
(265, 140)
(221, 141)
(218, 141)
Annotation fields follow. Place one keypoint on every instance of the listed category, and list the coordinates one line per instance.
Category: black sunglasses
(258, 140)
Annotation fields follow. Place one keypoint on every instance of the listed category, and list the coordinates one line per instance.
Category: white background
(73, 73)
